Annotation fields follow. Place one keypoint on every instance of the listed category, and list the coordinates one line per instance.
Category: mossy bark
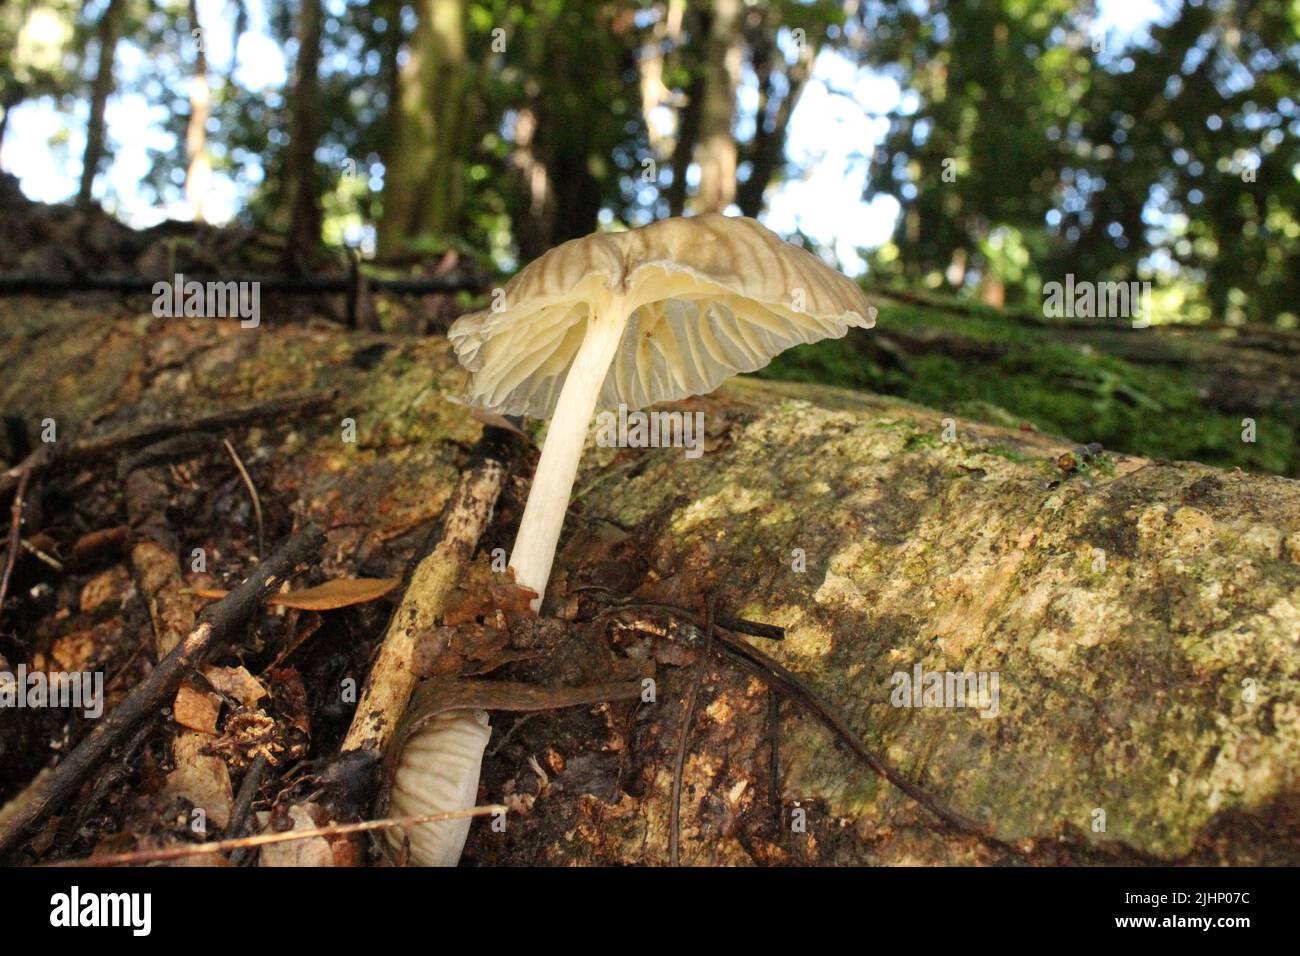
(1142, 617)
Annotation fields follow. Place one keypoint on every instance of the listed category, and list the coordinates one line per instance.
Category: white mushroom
(437, 772)
(649, 315)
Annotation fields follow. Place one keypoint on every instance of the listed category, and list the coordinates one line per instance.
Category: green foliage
(1035, 149)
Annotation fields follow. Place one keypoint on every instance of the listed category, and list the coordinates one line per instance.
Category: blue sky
(830, 137)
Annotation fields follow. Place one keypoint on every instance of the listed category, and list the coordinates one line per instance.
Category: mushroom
(649, 315)
(436, 771)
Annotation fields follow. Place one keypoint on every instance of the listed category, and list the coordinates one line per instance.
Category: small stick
(674, 825)
(90, 449)
(778, 677)
(287, 836)
(465, 516)
(55, 785)
(248, 788)
(15, 533)
(252, 492)
(40, 555)
(281, 285)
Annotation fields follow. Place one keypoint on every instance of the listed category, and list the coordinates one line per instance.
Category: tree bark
(305, 219)
(423, 165)
(198, 172)
(110, 26)
(717, 150)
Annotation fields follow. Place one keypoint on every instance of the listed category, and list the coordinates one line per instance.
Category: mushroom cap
(710, 296)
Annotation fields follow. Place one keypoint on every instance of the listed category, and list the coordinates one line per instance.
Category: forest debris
(235, 682)
(90, 546)
(53, 786)
(105, 588)
(15, 531)
(200, 778)
(272, 838)
(196, 709)
(250, 734)
(308, 851)
(93, 449)
(153, 549)
(465, 515)
(334, 594)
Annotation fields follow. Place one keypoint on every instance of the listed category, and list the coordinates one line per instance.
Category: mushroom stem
(539, 530)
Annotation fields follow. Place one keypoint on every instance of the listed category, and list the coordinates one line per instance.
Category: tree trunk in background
(305, 219)
(110, 26)
(766, 151)
(535, 226)
(717, 150)
(688, 116)
(199, 170)
(423, 168)
(558, 133)
(665, 36)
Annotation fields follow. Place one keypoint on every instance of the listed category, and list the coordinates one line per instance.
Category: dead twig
(792, 687)
(56, 785)
(39, 555)
(252, 492)
(739, 625)
(15, 533)
(778, 677)
(464, 517)
(89, 450)
(674, 825)
(248, 788)
(263, 839)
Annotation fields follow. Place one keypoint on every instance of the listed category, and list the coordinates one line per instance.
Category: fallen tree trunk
(1130, 624)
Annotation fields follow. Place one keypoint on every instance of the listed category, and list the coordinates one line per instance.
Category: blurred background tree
(1020, 141)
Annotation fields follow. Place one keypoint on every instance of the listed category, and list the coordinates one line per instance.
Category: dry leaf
(202, 780)
(236, 682)
(310, 851)
(341, 592)
(196, 709)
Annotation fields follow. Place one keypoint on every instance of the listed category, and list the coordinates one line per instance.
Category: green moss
(1014, 371)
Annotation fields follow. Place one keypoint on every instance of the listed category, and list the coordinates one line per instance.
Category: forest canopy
(1001, 144)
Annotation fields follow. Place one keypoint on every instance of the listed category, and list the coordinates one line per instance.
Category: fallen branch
(85, 450)
(464, 517)
(283, 285)
(263, 839)
(248, 789)
(15, 534)
(789, 685)
(153, 545)
(56, 785)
